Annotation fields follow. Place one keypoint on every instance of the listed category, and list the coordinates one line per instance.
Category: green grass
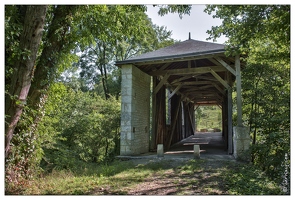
(183, 177)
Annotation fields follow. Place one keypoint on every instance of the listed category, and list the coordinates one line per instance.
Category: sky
(197, 23)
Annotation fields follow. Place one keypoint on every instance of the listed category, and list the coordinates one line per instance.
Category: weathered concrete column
(196, 151)
(160, 150)
(241, 141)
(241, 134)
(135, 109)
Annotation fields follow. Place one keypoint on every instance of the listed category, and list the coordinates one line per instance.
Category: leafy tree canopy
(129, 32)
(259, 30)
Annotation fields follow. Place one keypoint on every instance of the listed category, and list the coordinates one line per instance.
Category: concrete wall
(241, 142)
(135, 111)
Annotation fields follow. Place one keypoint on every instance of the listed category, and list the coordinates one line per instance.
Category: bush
(84, 125)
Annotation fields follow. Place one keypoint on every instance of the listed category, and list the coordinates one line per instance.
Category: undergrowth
(119, 177)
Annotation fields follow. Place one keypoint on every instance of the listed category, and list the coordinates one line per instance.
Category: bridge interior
(210, 143)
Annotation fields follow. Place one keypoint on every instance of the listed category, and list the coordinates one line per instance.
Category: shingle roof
(181, 49)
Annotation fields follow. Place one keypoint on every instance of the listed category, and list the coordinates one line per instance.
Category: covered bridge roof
(198, 71)
(183, 49)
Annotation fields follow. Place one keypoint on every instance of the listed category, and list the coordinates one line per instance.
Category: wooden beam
(208, 95)
(218, 88)
(191, 121)
(224, 122)
(162, 82)
(174, 123)
(161, 119)
(229, 68)
(197, 86)
(202, 98)
(189, 64)
(154, 68)
(193, 83)
(239, 88)
(229, 115)
(229, 121)
(193, 90)
(207, 102)
(174, 91)
(224, 83)
(186, 71)
(184, 97)
(212, 79)
(204, 87)
(214, 61)
(212, 96)
(181, 79)
(164, 66)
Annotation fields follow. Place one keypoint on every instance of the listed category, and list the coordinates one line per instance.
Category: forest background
(62, 90)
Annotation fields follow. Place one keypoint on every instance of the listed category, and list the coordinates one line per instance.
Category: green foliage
(26, 153)
(180, 9)
(208, 117)
(83, 128)
(267, 112)
(262, 32)
(13, 29)
(247, 25)
(130, 32)
(248, 180)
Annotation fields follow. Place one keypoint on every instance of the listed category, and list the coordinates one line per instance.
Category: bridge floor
(212, 146)
(210, 143)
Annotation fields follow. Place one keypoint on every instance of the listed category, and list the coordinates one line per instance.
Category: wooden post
(224, 122)
(193, 118)
(229, 114)
(239, 88)
(154, 116)
(192, 124)
(173, 125)
(229, 120)
(161, 113)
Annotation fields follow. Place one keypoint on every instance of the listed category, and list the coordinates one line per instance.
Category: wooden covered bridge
(184, 75)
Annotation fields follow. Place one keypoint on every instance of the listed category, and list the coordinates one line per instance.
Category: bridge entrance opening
(161, 91)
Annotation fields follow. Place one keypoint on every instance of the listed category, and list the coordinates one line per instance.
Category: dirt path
(182, 176)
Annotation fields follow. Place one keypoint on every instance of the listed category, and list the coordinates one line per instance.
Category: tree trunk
(56, 42)
(104, 74)
(24, 69)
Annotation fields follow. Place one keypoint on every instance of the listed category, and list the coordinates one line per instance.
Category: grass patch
(81, 181)
(157, 177)
(245, 179)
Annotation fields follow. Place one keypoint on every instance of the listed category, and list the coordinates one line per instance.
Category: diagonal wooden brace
(223, 82)
(162, 82)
